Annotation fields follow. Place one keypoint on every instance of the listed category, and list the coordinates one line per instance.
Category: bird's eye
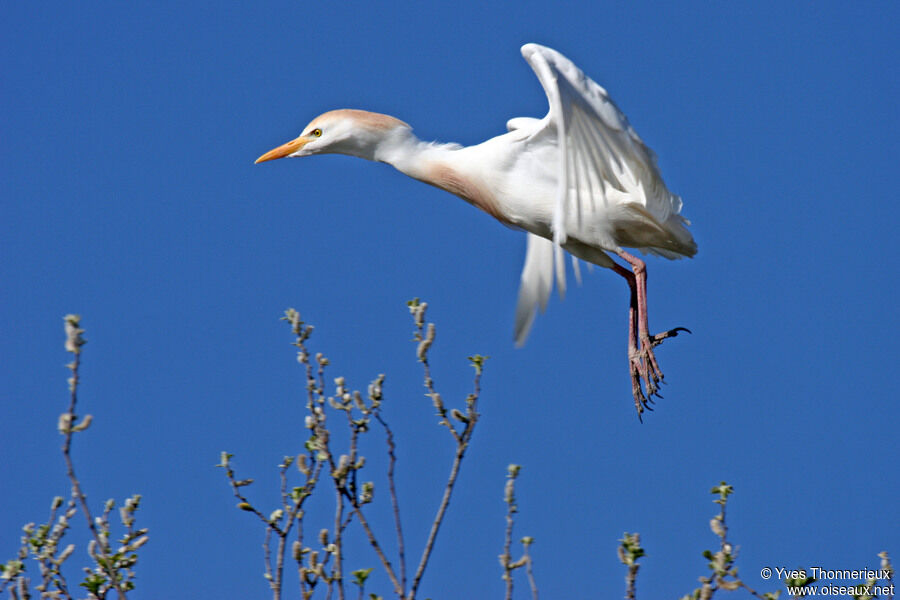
(316, 133)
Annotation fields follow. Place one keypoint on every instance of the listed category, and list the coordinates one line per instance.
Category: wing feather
(599, 152)
(605, 171)
(535, 285)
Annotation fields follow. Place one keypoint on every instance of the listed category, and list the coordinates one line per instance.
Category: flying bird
(580, 181)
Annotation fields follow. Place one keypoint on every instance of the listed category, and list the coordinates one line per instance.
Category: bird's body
(578, 180)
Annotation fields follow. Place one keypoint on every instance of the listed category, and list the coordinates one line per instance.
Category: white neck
(411, 156)
(445, 166)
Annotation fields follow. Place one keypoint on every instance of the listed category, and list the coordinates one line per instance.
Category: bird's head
(344, 131)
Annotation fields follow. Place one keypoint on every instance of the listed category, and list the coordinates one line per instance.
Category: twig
(438, 519)
(395, 503)
(630, 552)
(631, 581)
(506, 557)
(425, 337)
(338, 540)
(528, 570)
(374, 543)
(506, 561)
(74, 342)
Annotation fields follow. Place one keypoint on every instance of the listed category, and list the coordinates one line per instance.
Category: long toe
(640, 400)
(644, 382)
(646, 376)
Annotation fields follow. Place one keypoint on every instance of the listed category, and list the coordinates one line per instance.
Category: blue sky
(130, 197)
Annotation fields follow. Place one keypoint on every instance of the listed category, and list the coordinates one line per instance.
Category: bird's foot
(646, 376)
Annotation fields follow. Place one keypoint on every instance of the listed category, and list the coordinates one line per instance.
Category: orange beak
(283, 150)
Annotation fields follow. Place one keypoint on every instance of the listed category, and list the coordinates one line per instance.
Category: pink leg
(634, 363)
(641, 358)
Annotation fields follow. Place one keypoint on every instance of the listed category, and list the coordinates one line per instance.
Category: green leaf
(478, 361)
(360, 576)
(93, 583)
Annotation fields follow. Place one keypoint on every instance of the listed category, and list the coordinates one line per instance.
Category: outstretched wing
(603, 162)
(604, 167)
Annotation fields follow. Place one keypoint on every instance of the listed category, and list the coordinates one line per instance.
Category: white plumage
(579, 180)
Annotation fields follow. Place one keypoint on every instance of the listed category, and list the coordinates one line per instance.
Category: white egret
(579, 180)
